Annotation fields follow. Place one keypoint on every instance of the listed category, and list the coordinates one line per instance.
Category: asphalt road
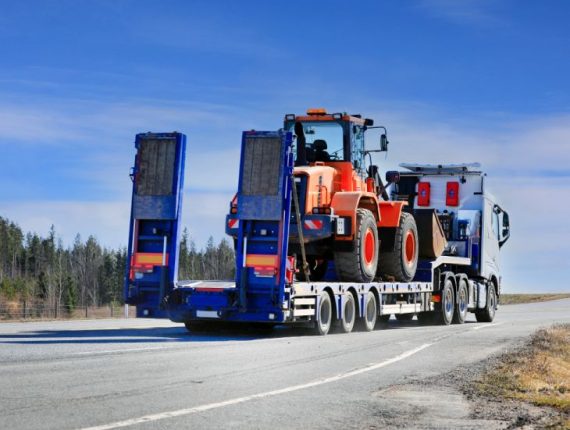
(148, 374)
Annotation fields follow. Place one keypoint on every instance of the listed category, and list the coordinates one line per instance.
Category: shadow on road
(146, 335)
(217, 333)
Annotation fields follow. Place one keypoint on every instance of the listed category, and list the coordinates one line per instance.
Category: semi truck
(425, 242)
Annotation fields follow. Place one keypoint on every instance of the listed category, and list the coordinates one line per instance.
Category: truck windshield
(324, 141)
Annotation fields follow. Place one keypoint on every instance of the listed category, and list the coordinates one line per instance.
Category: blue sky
(453, 81)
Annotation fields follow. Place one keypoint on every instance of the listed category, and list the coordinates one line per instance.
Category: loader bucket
(431, 236)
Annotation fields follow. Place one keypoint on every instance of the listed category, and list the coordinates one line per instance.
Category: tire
(369, 314)
(445, 309)
(360, 264)
(404, 317)
(488, 313)
(324, 315)
(346, 324)
(461, 303)
(401, 263)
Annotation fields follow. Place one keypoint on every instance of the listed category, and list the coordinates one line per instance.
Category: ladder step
(304, 302)
(303, 312)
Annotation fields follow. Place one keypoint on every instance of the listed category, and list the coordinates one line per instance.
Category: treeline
(213, 262)
(40, 273)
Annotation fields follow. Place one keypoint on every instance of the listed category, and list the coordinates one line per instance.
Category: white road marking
(479, 327)
(209, 406)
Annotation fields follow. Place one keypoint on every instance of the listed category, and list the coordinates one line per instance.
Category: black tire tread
(456, 315)
(390, 263)
(348, 263)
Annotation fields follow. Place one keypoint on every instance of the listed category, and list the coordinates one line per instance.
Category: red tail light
(452, 194)
(423, 193)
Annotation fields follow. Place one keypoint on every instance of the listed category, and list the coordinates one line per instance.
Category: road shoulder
(469, 396)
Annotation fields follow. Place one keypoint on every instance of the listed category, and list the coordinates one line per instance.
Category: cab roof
(320, 114)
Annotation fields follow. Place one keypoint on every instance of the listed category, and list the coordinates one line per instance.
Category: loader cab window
(358, 148)
(324, 141)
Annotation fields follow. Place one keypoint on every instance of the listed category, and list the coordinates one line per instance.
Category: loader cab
(328, 138)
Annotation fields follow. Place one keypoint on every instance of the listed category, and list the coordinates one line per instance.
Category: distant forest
(41, 273)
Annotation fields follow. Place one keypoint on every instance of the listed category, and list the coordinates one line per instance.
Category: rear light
(452, 194)
(290, 270)
(322, 211)
(423, 193)
(436, 298)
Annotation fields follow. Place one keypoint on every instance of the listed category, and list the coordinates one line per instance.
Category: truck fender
(345, 204)
(390, 213)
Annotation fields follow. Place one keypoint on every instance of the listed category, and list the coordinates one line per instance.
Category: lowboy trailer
(461, 229)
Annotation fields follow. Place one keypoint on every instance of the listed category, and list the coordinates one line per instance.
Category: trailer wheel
(370, 313)
(446, 308)
(360, 264)
(487, 314)
(460, 314)
(348, 314)
(401, 262)
(324, 315)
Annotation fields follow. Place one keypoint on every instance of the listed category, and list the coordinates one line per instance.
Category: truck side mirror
(383, 143)
(392, 177)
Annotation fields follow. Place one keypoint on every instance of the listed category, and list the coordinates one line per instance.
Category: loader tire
(401, 263)
(360, 264)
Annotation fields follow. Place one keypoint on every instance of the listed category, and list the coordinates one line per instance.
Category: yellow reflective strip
(261, 260)
(149, 259)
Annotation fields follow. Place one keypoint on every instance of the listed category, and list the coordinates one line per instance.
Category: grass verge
(538, 373)
(513, 299)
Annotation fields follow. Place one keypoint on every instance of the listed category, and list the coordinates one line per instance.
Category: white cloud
(204, 214)
(476, 12)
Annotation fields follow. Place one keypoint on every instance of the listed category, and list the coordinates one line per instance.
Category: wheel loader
(341, 212)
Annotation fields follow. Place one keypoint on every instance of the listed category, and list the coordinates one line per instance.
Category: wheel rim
(462, 300)
(492, 300)
(409, 248)
(448, 302)
(371, 310)
(369, 247)
(325, 314)
(349, 312)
